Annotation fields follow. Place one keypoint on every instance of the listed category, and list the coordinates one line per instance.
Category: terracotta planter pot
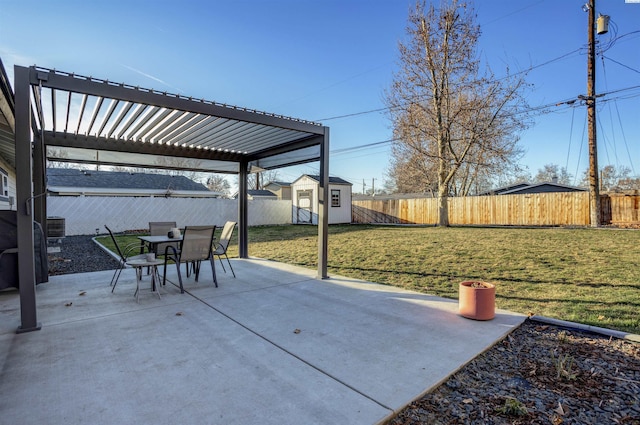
(477, 303)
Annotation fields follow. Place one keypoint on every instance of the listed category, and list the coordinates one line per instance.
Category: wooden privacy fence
(539, 209)
(620, 209)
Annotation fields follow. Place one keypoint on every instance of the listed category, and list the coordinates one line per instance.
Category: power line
(569, 102)
(367, 145)
(621, 64)
(371, 111)
(531, 68)
(566, 165)
(624, 138)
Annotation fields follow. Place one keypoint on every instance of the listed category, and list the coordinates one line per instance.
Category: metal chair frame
(123, 255)
(195, 247)
(161, 228)
(222, 245)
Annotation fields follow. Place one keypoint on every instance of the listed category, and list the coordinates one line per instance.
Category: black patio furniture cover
(9, 261)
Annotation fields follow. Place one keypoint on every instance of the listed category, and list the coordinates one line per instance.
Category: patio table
(153, 241)
(151, 265)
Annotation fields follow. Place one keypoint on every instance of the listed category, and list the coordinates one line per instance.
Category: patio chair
(194, 248)
(162, 228)
(124, 255)
(222, 245)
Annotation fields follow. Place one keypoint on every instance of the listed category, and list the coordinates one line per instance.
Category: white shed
(304, 197)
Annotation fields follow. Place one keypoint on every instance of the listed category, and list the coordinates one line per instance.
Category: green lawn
(590, 276)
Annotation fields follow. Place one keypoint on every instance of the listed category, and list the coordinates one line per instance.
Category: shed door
(304, 206)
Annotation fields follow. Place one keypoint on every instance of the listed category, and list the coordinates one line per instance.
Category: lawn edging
(107, 250)
(588, 328)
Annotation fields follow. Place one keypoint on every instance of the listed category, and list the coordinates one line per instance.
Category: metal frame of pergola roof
(95, 121)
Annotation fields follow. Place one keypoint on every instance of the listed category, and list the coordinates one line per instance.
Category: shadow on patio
(273, 346)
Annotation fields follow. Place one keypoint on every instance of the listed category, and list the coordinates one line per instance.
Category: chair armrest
(131, 248)
(170, 248)
(9, 251)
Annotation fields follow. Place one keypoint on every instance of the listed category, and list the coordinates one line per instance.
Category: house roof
(63, 177)
(503, 189)
(385, 196)
(262, 193)
(543, 187)
(332, 180)
(279, 183)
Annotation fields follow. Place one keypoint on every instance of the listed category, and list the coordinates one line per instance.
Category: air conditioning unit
(55, 227)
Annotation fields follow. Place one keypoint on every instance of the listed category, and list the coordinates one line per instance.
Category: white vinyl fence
(87, 215)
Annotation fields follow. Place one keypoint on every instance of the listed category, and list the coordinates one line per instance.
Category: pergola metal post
(39, 184)
(323, 207)
(243, 204)
(24, 198)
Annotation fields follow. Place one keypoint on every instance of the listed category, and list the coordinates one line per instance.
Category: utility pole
(373, 187)
(594, 187)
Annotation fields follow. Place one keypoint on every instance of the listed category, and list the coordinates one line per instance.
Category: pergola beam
(121, 145)
(288, 147)
(55, 80)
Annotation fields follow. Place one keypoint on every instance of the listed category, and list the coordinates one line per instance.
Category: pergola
(95, 121)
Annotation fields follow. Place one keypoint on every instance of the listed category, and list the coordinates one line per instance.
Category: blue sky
(318, 60)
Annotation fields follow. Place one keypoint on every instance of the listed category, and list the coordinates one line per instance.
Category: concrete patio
(273, 346)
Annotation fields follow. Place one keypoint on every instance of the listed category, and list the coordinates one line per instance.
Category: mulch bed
(78, 254)
(539, 374)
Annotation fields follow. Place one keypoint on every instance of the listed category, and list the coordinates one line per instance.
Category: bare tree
(257, 181)
(463, 124)
(61, 160)
(614, 179)
(218, 183)
(175, 166)
(137, 170)
(629, 183)
(553, 173)
(412, 172)
(172, 166)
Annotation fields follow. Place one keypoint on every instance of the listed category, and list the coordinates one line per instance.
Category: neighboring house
(73, 182)
(501, 190)
(525, 188)
(304, 193)
(258, 194)
(7, 144)
(281, 189)
(387, 196)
